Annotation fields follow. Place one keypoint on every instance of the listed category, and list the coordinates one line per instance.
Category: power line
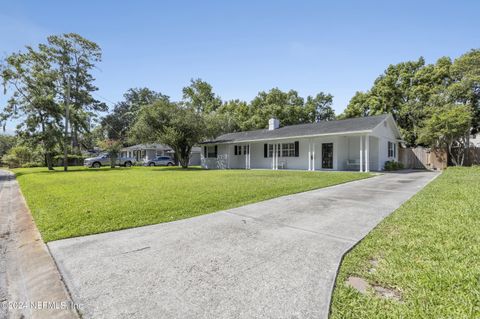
(104, 98)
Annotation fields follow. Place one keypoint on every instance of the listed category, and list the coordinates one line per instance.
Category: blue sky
(244, 47)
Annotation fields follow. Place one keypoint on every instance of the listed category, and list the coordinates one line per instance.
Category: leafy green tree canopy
(199, 95)
(118, 123)
(411, 90)
(172, 124)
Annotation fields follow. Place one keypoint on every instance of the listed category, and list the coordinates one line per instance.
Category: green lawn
(87, 201)
(429, 250)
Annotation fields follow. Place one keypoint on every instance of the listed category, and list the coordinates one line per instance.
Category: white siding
(385, 133)
(194, 159)
(345, 147)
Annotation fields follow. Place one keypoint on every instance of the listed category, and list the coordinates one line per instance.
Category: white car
(159, 161)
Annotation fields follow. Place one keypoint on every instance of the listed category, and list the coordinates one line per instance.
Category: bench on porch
(355, 163)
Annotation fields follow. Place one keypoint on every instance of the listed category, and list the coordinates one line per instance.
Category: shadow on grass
(176, 169)
(85, 170)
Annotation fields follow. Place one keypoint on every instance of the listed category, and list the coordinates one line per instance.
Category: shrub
(393, 166)
(73, 159)
(31, 164)
(20, 155)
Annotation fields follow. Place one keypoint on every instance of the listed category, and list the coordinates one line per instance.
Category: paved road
(274, 259)
(28, 275)
(6, 182)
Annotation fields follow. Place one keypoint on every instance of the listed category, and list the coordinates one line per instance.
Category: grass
(428, 249)
(88, 201)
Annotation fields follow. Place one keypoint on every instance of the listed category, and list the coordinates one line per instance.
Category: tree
(172, 124)
(235, 115)
(465, 88)
(285, 106)
(6, 143)
(448, 127)
(73, 58)
(49, 83)
(112, 147)
(22, 155)
(199, 95)
(403, 91)
(31, 79)
(117, 124)
(410, 90)
(358, 106)
(319, 108)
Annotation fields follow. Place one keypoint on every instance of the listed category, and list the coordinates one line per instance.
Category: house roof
(156, 146)
(351, 125)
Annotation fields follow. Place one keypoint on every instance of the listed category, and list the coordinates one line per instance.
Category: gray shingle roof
(156, 146)
(324, 127)
(145, 146)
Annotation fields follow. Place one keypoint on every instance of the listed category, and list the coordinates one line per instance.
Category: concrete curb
(35, 288)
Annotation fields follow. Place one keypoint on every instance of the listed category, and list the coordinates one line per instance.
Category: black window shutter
(235, 149)
(265, 150)
(205, 154)
(296, 148)
(215, 150)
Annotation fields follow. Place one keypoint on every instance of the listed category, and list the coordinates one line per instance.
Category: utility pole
(67, 114)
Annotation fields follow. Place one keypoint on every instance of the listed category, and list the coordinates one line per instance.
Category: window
(237, 149)
(288, 150)
(284, 150)
(210, 151)
(392, 149)
(270, 150)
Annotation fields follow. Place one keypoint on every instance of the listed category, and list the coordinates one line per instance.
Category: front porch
(345, 152)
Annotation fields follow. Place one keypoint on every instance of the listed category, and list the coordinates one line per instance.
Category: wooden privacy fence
(472, 158)
(422, 158)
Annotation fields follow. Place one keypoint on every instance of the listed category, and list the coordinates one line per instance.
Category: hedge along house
(362, 144)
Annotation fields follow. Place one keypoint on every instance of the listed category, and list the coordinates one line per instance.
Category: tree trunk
(467, 155)
(48, 159)
(184, 158)
(451, 154)
(184, 161)
(113, 161)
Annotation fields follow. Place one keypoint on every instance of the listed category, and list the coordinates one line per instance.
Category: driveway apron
(273, 259)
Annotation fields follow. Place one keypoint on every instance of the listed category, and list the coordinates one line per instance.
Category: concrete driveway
(274, 259)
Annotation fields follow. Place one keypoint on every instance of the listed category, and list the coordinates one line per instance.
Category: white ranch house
(363, 144)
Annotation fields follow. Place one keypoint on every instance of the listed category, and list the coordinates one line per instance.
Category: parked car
(104, 160)
(159, 161)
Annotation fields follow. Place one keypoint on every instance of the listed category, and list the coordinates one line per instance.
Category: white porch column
(273, 154)
(313, 156)
(246, 156)
(249, 158)
(228, 155)
(276, 156)
(309, 156)
(367, 154)
(361, 153)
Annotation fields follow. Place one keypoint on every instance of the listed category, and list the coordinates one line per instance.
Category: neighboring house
(475, 140)
(361, 144)
(147, 152)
